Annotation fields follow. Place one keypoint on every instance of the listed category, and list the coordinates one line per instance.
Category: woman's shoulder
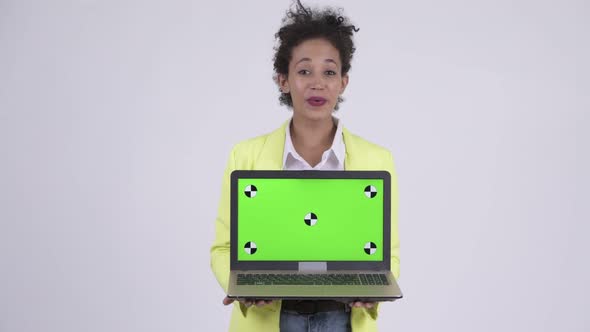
(252, 142)
(364, 154)
(264, 146)
(258, 142)
(359, 144)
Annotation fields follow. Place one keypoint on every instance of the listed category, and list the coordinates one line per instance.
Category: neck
(307, 134)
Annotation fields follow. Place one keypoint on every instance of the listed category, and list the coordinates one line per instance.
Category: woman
(311, 65)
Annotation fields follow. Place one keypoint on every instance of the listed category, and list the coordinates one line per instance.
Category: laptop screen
(309, 219)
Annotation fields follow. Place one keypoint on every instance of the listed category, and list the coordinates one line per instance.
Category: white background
(116, 119)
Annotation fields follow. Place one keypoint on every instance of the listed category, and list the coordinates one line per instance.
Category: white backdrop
(116, 118)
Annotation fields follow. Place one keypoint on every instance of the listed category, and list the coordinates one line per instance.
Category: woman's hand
(259, 303)
(360, 304)
(247, 302)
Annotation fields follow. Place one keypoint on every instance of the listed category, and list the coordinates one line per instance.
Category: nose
(318, 82)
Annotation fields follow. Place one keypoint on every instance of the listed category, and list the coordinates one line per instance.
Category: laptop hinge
(313, 266)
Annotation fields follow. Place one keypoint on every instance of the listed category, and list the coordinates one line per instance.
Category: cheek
(298, 87)
(301, 84)
(335, 87)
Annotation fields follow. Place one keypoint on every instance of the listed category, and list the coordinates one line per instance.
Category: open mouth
(316, 101)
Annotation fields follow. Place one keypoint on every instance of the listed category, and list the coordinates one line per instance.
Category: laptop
(304, 235)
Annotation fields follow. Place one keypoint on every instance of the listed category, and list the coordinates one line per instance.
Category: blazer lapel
(271, 156)
(353, 159)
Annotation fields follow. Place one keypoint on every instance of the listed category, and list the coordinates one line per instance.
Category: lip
(316, 101)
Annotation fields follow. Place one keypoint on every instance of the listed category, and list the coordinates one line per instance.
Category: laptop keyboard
(313, 279)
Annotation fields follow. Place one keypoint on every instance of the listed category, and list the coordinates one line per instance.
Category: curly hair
(301, 24)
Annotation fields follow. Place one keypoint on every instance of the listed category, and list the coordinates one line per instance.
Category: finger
(369, 304)
(260, 303)
(358, 304)
(227, 301)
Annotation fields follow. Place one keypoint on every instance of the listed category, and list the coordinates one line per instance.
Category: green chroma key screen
(310, 219)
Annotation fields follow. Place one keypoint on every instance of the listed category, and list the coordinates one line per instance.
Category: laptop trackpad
(313, 266)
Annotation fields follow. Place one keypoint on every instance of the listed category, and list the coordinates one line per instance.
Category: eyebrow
(308, 59)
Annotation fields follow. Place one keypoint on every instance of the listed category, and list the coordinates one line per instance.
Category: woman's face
(315, 79)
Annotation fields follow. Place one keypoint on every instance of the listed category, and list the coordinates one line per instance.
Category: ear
(344, 83)
(283, 83)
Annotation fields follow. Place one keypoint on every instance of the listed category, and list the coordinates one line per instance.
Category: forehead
(316, 50)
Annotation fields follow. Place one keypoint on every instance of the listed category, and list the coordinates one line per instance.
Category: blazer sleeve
(220, 250)
(390, 167)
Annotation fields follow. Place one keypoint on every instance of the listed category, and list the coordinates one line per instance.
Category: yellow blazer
(266, 153)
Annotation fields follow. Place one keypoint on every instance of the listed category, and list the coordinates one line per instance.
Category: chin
(318, 114)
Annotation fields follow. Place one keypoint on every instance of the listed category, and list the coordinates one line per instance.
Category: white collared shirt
(332, 159)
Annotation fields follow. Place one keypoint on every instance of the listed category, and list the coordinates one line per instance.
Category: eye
(330, 72)
(303, 72)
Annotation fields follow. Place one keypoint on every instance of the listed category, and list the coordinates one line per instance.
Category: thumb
(227, 301)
